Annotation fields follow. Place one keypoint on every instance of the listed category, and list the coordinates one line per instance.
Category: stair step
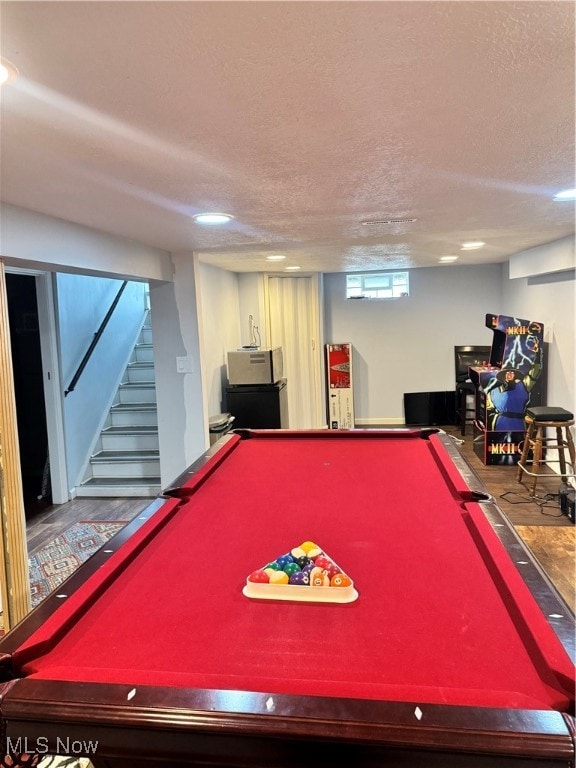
(116, 481)
(134, 406)
(126, 464)
(142, 429)
(121, 456)
(144, 353)
(140, 372)
(138, 385)
(134, 415)
(137, 392)
(120, 486)
(129, 439)
(145, 385)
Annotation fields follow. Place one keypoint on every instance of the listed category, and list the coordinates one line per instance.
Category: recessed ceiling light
(291, 269)
(275, 258)
(7, 71)
(565, 195)
(448, 258)
(472, 246)
(212, 218)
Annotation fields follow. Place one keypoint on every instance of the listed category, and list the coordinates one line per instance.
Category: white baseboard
(378, 422)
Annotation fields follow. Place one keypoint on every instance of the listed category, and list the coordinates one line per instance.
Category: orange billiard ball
(340, 580)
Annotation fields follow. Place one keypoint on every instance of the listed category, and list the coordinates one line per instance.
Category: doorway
(293, 310)
(29, 391)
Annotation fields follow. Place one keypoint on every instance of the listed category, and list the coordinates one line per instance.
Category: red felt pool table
(457, 651)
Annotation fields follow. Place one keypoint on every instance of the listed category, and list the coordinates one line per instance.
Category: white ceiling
(299, 118)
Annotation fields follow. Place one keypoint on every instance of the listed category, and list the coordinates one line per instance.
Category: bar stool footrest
(521, 466)
(538, 419)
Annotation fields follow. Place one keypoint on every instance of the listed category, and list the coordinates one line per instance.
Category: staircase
(127, 460)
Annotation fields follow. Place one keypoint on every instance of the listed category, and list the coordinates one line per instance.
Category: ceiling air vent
(387, 221)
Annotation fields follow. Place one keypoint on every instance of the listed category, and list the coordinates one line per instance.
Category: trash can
(219, 425)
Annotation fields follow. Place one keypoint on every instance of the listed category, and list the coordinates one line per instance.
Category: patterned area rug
(49, 567)
(52, 564)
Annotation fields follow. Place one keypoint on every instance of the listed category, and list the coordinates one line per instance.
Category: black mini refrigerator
(258, 406)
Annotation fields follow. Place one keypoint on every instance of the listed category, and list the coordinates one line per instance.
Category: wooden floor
(45, 524)
(539, 521)
(511, 496)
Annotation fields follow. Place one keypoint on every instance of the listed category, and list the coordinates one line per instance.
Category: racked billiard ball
(297, 552)
(300, 579)
(331, 569)
(319, 578)
(259, 577)
(283, 560)
(279, 577)
(340, 580)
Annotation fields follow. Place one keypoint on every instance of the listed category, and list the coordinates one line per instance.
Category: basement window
(383, 285)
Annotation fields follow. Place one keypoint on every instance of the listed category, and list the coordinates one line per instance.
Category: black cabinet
(258, 406)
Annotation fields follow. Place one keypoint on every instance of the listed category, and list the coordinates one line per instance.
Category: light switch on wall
(184, 364)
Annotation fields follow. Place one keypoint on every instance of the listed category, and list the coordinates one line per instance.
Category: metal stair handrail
(95, 340)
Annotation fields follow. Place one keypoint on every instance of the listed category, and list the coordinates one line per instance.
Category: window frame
(390, 280)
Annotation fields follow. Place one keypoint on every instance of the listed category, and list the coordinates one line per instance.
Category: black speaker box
(567, 502)
(428, 409)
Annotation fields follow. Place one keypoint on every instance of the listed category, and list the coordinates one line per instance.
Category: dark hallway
(29, 391)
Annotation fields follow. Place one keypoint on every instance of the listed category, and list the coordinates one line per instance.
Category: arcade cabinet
(511, 382)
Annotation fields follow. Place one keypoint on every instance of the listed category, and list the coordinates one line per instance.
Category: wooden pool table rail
(241, 728)
(173, 726)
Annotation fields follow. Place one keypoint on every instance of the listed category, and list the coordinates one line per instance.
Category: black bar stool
(538, 419)
(464, 414)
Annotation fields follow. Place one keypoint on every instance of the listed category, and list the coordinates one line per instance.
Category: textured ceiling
(299, 118)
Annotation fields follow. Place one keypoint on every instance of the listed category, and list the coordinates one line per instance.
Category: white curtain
(292, 327)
